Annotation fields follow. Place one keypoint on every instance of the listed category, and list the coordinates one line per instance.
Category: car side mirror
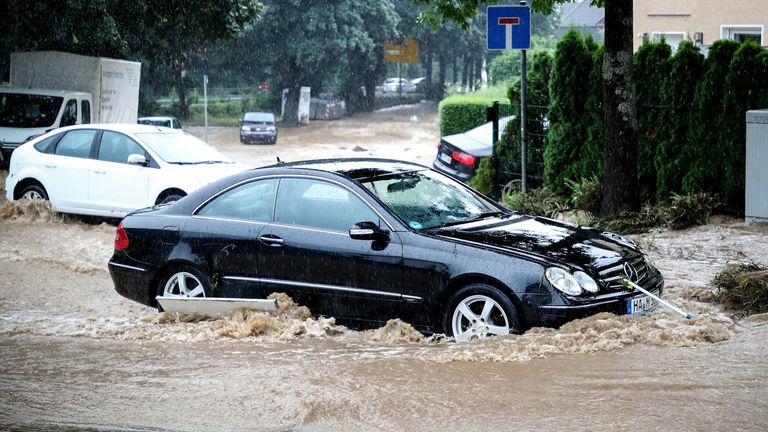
(367, 231)
(137, 159)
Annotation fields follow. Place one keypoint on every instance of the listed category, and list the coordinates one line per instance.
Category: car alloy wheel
(184, 284)
(479, 311)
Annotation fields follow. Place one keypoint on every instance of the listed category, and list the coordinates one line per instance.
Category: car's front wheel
(478, 311)
(34, 192)
(183, 281)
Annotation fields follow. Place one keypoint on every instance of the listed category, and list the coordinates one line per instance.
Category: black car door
(309, 254)
(232, 223)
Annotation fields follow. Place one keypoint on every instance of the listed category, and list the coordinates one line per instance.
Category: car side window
(45, 145)
(116, 147)
(320, 204)
(76, 143)
(69, 117)
(251, 201)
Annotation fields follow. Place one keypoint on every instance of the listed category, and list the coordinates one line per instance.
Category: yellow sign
(408, 52)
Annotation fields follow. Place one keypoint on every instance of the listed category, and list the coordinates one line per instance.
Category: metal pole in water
(631, 285)
(205, 104)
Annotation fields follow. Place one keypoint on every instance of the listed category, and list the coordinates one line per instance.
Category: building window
(673, 39)
(741, 33)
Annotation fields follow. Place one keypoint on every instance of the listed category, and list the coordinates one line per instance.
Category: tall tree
(173, 32)
(310, 43)
(620, 151)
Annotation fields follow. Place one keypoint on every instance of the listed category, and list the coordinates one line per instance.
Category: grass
(743, 287)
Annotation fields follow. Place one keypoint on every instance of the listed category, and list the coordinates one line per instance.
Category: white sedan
(112, 169)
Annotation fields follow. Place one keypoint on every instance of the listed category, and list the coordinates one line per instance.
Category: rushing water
(75, 355)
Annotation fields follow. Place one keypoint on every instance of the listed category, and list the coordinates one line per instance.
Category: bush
(633, 222)
(586, 195)
(743, 287)
(484, 177)
(571, 70)
(539, 202)
(462, 112)
(685, 211)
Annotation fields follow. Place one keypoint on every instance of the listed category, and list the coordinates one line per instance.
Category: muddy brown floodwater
(74, 355)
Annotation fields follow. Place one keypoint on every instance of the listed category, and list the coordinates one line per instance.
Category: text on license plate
(445, 158)
(641, 305)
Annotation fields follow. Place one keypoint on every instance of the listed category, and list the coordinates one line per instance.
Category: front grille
(612, 275)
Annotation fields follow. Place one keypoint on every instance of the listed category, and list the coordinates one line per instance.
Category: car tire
(34, 192)
(480, 310)
(183, 281)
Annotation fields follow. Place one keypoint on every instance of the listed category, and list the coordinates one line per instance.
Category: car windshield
(27, 110)
(181, 148)
(427, 199)
(259, 117)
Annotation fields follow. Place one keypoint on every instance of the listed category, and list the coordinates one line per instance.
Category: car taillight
(121, 238)
(463, 158)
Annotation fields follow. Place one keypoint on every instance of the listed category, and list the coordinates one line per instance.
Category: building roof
(582, 14)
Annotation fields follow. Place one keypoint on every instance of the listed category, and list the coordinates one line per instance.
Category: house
(701, 21)
(583, 17)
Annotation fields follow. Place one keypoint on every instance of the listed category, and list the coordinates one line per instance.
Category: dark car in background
(368, 240)
(258, 127)
(459, 155)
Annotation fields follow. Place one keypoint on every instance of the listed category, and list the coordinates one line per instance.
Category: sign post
(509, 27)
(408, 52)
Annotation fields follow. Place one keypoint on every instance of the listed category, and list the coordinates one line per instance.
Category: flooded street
(75, 355)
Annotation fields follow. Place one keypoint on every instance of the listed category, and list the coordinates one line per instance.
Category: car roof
(122, 127)
(358, 169)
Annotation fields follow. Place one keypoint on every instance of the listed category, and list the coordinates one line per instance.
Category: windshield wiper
(473, 219)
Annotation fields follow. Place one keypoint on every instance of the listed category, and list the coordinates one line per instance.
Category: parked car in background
(459, 155)
(259, 127)
(393, 85)
(165, 121)
(418, 84)
(368, 240)
(113, 169)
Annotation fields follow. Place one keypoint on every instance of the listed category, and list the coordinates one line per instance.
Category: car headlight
(563, 281)
(245, 129)
(271, 128)
(649, 264)
(585, 281)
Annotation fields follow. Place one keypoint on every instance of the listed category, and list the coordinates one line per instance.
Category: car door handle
(99, 171)
(50, 165)
(271, 240)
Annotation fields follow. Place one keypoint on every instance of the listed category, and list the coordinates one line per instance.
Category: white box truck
(51, 89)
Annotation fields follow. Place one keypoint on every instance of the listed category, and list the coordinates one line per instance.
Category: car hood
(547, 239)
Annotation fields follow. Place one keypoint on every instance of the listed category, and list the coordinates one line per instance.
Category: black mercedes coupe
(368, 240)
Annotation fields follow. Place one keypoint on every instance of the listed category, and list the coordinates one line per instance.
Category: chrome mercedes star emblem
(630, 272)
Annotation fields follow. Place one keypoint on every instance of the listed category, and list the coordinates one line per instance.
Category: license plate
(640, 305)
(445, 158)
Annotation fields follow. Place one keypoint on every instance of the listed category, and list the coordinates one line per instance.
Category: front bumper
(555, 315)
(258, 136)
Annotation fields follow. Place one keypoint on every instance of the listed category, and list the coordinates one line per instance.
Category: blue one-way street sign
(509, 27)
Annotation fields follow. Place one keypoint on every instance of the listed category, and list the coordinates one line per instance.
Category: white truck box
(85, 89)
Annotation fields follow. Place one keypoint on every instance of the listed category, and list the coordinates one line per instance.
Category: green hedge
(461, 112)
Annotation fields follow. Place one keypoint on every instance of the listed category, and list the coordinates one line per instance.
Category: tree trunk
(620, 154)
(440, 87)
(430, 86)
(464, 73)
(181, 91)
